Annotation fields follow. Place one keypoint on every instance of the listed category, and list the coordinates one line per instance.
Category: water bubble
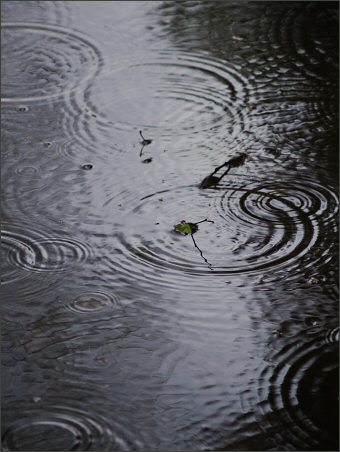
(87, 166)
(148, 160)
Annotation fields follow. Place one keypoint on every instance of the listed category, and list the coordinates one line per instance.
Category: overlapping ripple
(179, 92)
(332, 336)
(297, 394)
(90, 302)
(29, 250)
(59, 427)
(49, 62)
(307, 31)
(70, 127)
(49, 77)
(167, 354)
(52, 12)
(260, 227)
(289, 218)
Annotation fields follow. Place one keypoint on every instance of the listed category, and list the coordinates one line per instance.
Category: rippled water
(118, 333)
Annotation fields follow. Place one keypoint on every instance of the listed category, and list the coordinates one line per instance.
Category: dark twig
(219, 167)
(212, 181)
(225, 173)
(202, 221)
(145, 141)
(209, 265)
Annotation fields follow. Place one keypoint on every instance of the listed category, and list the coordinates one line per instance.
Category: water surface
(118, 333)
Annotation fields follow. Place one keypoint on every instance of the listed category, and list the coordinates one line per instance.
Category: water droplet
(148, 160)
(87, 167)
(93, 302)
(311, 321)
(22, 108)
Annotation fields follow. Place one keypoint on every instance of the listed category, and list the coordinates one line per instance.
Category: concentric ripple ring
(189, 91)
(36, 72)
(89, 302)
(258, 227)
(296, 390)
(33, 251)
(74, 428)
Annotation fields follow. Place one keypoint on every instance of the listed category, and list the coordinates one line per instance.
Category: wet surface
(118, 333)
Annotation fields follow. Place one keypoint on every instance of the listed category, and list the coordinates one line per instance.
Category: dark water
(118, 334)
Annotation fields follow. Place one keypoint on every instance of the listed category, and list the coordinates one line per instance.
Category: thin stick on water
(234, 162)
(209, 265)
(140, 132)
(219, 167)
(202, 221)
(145, 140)
(225, 172)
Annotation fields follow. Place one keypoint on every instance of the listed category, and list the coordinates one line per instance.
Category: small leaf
(183, 228)
(186, 228)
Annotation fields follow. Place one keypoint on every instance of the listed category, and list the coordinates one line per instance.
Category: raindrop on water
(87, 167)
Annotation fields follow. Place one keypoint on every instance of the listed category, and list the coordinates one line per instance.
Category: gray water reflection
(117, 334)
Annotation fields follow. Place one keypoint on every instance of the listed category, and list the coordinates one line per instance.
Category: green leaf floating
(185, 227)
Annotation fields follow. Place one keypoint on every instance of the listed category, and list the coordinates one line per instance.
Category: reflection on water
(117, 334)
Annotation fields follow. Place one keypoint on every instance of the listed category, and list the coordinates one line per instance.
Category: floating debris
(145, 141)
(212, 180)
(22, 108)
(187, 228)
